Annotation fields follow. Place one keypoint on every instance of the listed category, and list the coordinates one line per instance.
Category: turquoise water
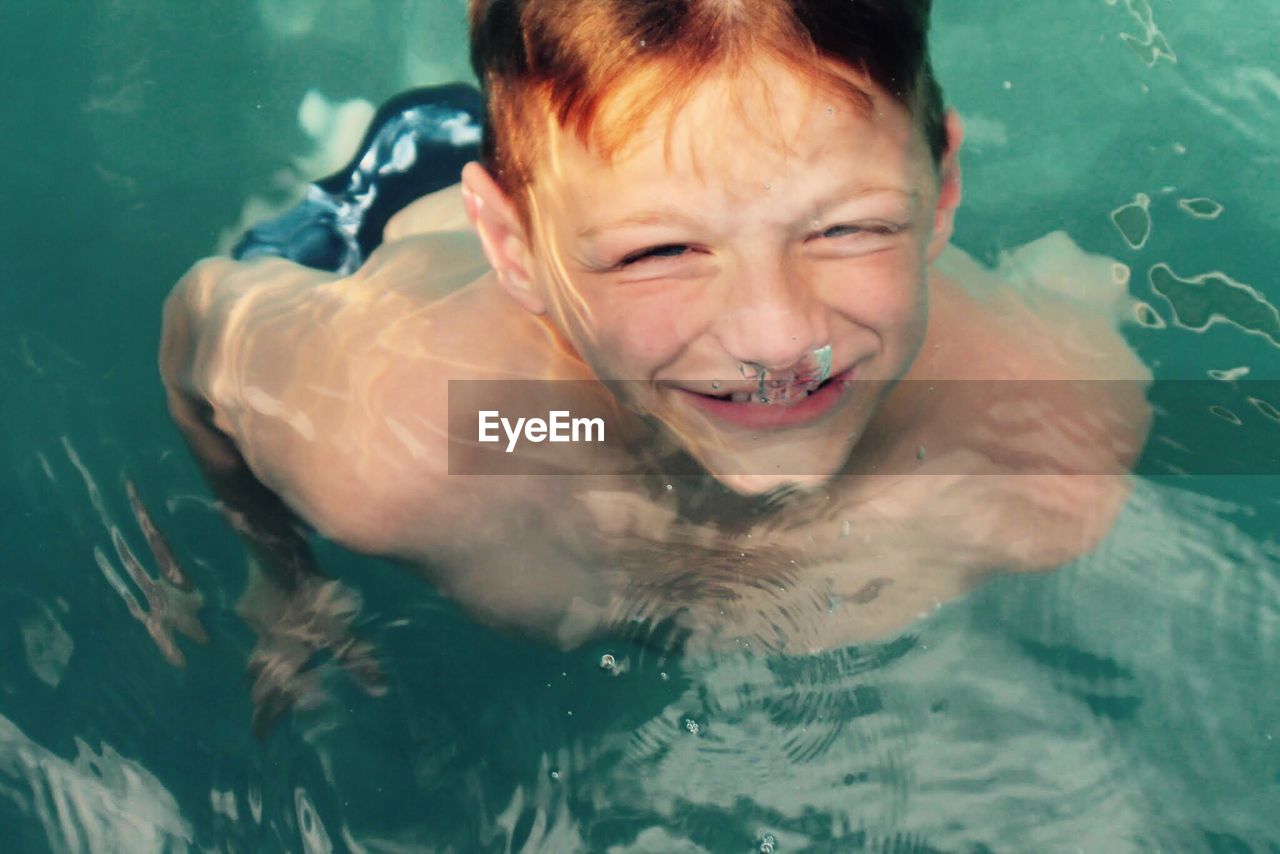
(1128, 702)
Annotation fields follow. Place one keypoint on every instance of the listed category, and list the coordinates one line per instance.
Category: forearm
(272, 532)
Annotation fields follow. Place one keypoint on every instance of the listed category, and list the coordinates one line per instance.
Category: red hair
(567, 57)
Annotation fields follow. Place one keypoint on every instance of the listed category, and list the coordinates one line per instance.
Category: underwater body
(1125, 702)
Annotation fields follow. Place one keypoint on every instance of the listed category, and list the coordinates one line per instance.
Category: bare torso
(337, 400)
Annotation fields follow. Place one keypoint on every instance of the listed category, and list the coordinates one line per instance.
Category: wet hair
(564, 58)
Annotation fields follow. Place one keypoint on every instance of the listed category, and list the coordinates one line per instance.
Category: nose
(773, 318)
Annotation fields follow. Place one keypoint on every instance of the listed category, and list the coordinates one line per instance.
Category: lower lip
(770, 416)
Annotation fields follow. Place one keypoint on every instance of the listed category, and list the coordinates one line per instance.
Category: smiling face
(764, 221)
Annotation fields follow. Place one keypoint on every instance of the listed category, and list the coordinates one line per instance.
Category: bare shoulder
(1047, 310)
(402, 348)
(1051, 400)
(335, 390)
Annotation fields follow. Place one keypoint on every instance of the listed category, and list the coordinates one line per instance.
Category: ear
(949, 190)
(502, 235)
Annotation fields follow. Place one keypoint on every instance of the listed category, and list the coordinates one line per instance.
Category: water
(1125, 703)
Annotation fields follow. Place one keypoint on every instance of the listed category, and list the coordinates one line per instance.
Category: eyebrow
(665, 216)
(656, 216)
(841, 195)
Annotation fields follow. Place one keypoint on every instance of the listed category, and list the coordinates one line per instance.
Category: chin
(772, 465)
(757, 461)
(760, 484)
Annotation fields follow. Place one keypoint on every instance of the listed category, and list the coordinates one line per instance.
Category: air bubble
(691, 726)
(554, 773)
(767, 844)
(715, 384)
(608, 663)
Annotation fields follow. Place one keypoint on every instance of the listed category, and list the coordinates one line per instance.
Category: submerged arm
(196, 316)
(309, 396)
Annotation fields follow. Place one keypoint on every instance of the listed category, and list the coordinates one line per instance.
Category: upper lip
(723, 391)
(726, 389)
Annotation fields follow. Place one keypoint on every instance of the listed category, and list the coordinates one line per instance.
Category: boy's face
(765, 222)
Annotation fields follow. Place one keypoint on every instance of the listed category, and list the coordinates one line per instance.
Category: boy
(726, 223)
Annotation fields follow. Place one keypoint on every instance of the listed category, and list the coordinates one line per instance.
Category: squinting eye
(849, 230)
(673, 250)
(841, 230)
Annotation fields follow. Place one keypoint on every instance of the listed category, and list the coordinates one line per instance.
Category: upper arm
(293, 366)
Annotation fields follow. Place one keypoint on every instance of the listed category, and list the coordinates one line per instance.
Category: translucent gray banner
(1197, 427)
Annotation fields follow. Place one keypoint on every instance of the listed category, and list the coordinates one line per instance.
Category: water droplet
(715, 384)
(670, 487)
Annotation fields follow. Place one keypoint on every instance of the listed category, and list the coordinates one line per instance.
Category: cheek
(642, 333)
(885, 291)
(652, 327)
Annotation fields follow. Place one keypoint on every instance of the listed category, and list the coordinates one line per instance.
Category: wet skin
(687, 254)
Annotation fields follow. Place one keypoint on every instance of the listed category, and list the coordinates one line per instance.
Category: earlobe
(502, 235)
(949, 190)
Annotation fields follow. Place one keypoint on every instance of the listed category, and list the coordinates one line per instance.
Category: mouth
(782, 406)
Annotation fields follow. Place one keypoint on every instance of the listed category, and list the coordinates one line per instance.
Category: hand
(302, 631)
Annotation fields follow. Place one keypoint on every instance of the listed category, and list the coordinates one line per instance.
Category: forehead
(742, 129)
